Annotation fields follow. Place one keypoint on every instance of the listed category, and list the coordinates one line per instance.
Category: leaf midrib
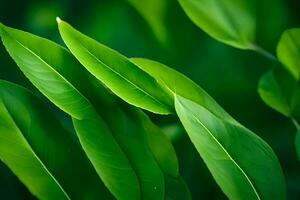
(225, 151)
(49, 66)
(120, 75)
(34, 154)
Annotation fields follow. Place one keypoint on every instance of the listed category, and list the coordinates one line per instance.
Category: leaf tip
(58, 20)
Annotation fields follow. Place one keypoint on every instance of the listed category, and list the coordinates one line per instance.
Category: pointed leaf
(113, 69)
(229, 21)
(40, 152)
(240, 162)
(55, 72)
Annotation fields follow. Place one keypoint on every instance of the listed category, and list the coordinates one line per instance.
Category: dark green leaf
(176, 189)
(242, 164)
(232, 22)
(40, 152)
(126, 80)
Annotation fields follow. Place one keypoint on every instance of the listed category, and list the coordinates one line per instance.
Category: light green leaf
(229, 21)
(179, 84)
(288, 51)
(242, 164)
(120, 75)
(55, 72)
(153, 11)
(40, 152)
(297, 144)
(271, 93)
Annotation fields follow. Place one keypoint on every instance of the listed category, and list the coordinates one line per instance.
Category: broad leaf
(271, 93)
(40, 152)
(113, 69)
(280, 90)
(229, 21)
(288, 51)
(240, 162)
(55, 72)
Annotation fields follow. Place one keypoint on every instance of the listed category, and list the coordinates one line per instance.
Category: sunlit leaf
(126, 80)
(240, 162)
(229, 21)
(55, 72)
(40, 152)
(288, 51)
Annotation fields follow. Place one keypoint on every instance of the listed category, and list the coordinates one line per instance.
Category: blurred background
(160, 30)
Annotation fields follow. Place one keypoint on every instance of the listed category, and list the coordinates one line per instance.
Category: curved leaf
(240, 162)
(280, 90)
(271, 93)
(229, 21)
(55, 72)
(38, 150)
(288, 51)
(229, 173)
(126, 80)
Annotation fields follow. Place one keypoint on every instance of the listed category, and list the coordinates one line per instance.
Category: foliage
(111, 148)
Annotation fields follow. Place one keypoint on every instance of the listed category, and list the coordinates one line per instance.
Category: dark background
(227, 74)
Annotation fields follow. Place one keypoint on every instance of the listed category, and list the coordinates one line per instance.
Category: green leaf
(176, 189)
(288, 51)
(153, 11)
(230, 168)
(229, 21)
(120, 75)
(242, 164)
(297, 144)
(280, 90)
(55, 72)
(179, 84)
(40, 152)
(271, 93)
(166, 156)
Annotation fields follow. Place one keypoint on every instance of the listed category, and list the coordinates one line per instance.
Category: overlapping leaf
(56, 74)
(230, 21)
(120, 149)
(126, 80)
(40, 152)
(240, 162)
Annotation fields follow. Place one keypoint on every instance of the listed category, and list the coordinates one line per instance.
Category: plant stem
(264, 53)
